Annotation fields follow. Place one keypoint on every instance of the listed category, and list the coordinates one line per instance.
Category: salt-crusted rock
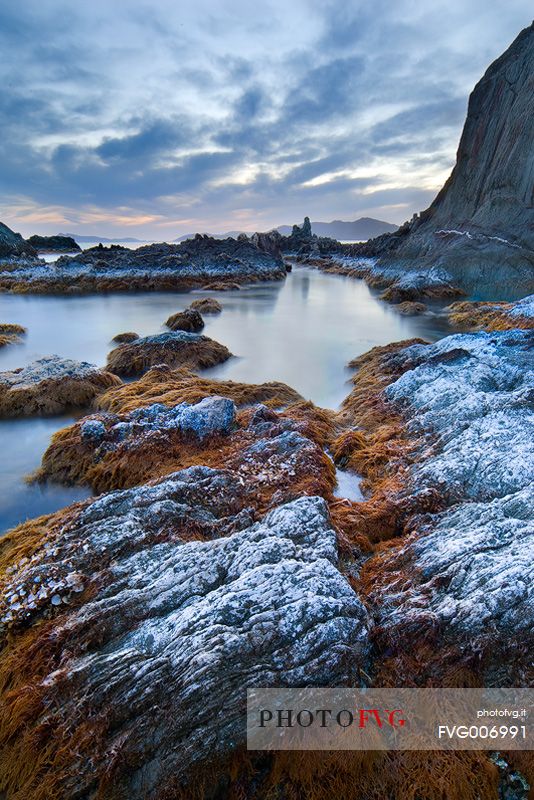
(159, 266)
(188, 320)
(273, 454)
(473, 394)
(523, 308)
(166, 643)
(411, 285)
(472, 579)
(51, 384)
(209, 416)
(462, 580)
(177, 348)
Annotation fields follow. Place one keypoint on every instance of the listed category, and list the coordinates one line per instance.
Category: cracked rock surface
(464, 577)
(154, 678)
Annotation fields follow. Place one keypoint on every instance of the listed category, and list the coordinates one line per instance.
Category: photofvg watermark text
(390, 719)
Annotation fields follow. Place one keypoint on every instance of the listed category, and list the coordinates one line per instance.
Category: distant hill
(359, 230)
(227, 235)
(79, 238)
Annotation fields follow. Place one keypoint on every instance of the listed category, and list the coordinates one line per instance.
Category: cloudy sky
(153, 119)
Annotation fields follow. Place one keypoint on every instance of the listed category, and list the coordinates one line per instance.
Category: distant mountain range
(359, 230)
(79, 238)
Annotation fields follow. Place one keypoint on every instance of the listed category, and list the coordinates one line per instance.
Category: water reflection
(23, 443)
(302, 331)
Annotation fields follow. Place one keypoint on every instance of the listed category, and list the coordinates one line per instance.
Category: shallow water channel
(302, 331)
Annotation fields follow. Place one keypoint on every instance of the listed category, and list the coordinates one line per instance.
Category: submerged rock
(10, 333)
(410, 309)
(12, 329)
(169, 634)
(54, 244)
(207, 305)
(178, 348)
(6, 339)
(188, 320)
(222, 286)
(50, 385)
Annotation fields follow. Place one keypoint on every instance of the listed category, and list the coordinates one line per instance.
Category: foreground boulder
(54, 244)
(50, 385)
(156, 638)
(134, 622)
(178, 348)
(171, 267)
(449, 457)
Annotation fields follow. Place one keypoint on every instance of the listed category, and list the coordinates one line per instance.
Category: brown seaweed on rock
(161, 384)
(409, 308)
(10, 333)
(126, 337)
(177, 349)
(11, 328)
(443, 501)
(188, 320)
(50, 385)
(207, 305)
(115, 451)
(492, 316)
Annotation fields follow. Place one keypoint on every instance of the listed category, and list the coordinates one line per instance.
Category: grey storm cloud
(161, 115)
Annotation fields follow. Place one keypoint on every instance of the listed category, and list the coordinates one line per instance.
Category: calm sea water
(303, 331)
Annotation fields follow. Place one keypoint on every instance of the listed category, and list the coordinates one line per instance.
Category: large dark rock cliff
(480, 226)
(12, 244)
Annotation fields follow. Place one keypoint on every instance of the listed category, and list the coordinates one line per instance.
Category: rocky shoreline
(215, 495)
(194, 263)
(214, 554)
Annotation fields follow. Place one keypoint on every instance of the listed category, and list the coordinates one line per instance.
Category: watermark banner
(390, 719)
